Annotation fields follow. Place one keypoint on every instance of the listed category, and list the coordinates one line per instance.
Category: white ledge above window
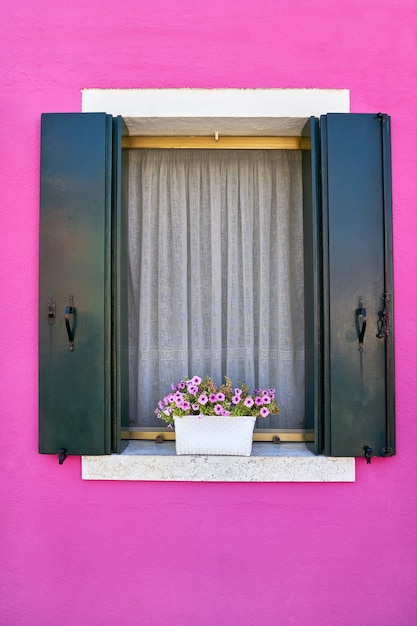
(287, 462)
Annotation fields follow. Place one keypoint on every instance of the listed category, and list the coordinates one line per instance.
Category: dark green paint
(312, 283)
(75, 258)
(120, 408)
(356, 263)
(83, 395)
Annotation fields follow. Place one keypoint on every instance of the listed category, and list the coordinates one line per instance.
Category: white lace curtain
(216, 274)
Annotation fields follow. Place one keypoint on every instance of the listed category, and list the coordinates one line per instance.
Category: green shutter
(75, 385)
(347, 251)
(358, 386)
(312, 282)
(120, 409)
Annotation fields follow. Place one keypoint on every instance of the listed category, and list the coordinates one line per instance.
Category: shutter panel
(312, 281)
(358, 386)
(75, 386)
(120, 408)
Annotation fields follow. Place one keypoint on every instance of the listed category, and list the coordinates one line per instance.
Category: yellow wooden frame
(218, 142)
(150, 434)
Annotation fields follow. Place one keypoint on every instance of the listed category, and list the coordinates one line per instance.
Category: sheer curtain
(216, 274)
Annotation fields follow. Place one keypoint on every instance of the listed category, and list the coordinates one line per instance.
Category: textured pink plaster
(75, 552)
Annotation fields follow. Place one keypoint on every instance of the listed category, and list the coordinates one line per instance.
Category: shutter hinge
(387, 451)
(384, 322)
(51, 311)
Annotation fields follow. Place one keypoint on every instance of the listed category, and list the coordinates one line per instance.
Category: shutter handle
(70, 310)
(362, 323)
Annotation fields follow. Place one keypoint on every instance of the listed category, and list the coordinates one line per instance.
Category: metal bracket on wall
(368, 454)
(62, 455)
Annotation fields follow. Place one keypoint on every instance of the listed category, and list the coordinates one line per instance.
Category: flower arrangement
(197, 396)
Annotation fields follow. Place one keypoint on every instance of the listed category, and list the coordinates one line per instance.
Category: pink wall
(75, 552)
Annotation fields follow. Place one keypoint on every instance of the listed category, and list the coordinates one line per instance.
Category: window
(348, 395)
(215, 274)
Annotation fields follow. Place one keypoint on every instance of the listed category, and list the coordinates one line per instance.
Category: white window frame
(229, 112)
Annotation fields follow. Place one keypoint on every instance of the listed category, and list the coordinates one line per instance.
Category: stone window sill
(287, 462)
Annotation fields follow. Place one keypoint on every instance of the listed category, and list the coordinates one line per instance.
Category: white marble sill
(286, 462)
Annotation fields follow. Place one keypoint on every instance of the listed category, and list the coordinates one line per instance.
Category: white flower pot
(209, 434)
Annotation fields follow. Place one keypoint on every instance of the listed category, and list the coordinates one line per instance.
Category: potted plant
(214, 420)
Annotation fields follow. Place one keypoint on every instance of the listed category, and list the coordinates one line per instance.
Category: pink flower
(248, 402)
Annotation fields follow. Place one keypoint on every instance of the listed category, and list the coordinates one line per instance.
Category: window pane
(216, 274)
